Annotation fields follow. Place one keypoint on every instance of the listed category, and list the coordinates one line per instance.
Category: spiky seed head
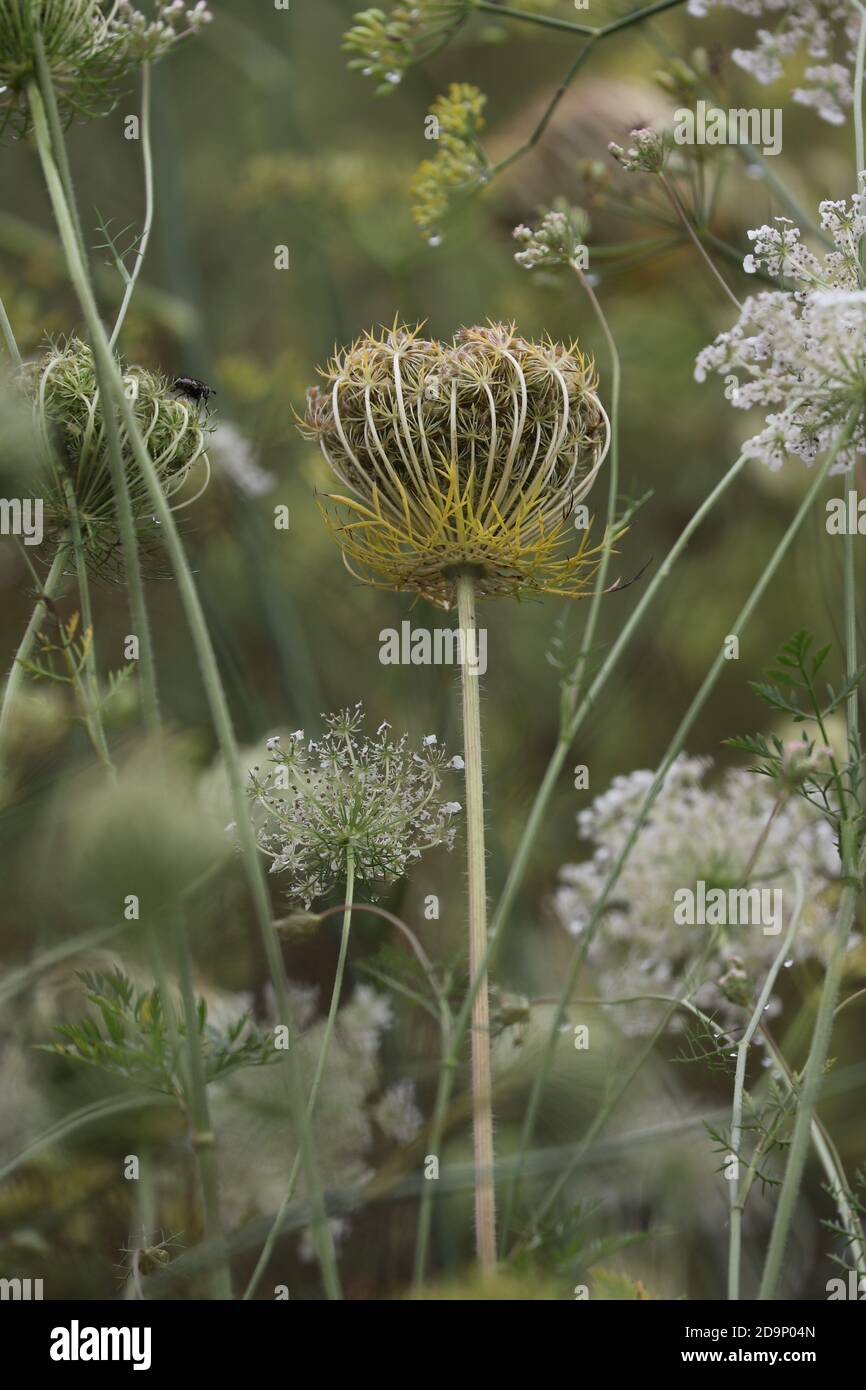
(70, 425)
(472, 453)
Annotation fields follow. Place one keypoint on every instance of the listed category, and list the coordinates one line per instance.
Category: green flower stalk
(466, 460)
(91, 47)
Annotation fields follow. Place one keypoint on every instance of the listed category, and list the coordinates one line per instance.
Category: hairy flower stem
(327, 1036)
(107, 364)
(482, 1081)
(737, 1191)
(16, 675)
(533, 825)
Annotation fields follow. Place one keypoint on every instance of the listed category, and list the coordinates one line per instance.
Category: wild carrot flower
(91, 46)
(469, 454)
(647, 155)
(695, 833)
(822, 30)
(798, 353)
(317, 801)
(556, 240)
(68, 414)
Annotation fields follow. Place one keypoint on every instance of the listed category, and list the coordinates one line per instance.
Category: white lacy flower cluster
(694, 834)
(798, 354)
(371, 795)
(823, 31)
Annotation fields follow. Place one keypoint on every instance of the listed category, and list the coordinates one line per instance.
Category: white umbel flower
(797, 354)
(824, 31)
(694, 833)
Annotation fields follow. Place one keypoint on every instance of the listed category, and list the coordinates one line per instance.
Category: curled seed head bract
(62, 387)
(471, 454)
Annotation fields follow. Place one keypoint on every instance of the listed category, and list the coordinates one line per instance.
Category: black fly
(197, 391)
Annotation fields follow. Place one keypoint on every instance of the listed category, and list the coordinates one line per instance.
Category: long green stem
(830, 1161)
(327, 1036)
(482, 1079)
(207, 662)
(737, 1197)
(201, 1131)
(25, 647)
(58, 177)
(535, 820)
(80, 275)
(9, 336)
(93, 713)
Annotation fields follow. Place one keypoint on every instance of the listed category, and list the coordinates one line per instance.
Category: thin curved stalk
(327, 1036)
(147, 160)
(737, 1197)
(482, 1078)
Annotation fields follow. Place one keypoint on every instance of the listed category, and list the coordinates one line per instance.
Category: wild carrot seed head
(69, 420)
(469, 453)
